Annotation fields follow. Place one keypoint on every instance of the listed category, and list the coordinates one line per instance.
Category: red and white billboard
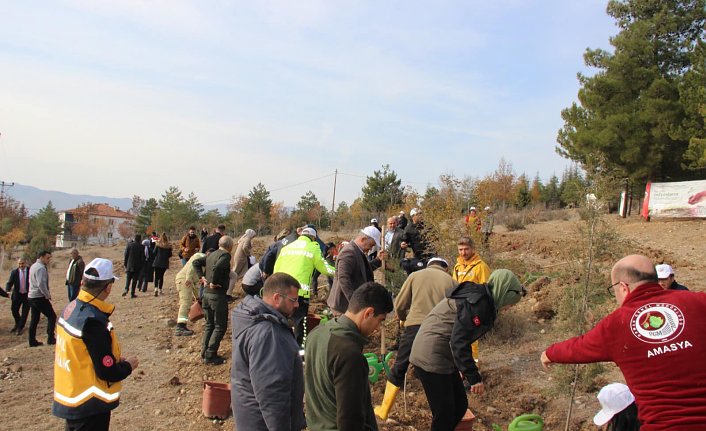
(679, 199)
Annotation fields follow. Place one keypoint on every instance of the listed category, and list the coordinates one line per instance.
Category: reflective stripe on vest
(70, 329)
(93, 390)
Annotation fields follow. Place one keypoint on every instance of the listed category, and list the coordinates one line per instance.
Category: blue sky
(130, 97)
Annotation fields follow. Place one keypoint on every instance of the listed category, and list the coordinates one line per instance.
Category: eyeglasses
(522, 292)
(610, 288)
(292, 300)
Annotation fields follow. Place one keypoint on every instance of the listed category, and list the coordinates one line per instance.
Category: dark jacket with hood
(337, 388)
(266, 378)
(443, 343)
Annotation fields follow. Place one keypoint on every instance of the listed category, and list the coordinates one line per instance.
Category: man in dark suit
(74, 274)
(353, 268)
(18, 285)
(133, 261)
(393, 238)
(211, 241)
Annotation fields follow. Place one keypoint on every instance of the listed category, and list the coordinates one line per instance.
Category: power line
(281, 188)
(366, 176)
(303, 182)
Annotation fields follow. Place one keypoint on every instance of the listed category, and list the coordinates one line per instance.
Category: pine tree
(143, 221)
(257, 210)
(632, 115)
(43, 229)
(382, 190)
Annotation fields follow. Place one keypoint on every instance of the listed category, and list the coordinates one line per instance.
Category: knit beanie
(505, 287)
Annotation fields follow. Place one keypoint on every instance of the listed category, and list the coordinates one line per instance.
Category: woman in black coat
(161, 263)
(133, 261)
(147, 273)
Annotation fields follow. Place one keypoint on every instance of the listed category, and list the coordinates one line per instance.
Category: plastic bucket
(466, 423)
(216, 400)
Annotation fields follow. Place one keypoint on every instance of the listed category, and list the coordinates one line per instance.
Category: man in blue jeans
(40, 299)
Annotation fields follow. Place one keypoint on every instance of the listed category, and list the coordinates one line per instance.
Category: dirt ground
(165, 392)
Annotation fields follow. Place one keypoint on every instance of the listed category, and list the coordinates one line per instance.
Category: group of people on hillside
(267, 377)
(146, 261)
(444, 310)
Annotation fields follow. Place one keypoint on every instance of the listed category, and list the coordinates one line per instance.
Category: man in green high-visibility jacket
(299, 259)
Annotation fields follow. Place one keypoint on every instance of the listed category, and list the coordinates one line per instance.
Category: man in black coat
(133, 261)
(18, 286)
(211, 241)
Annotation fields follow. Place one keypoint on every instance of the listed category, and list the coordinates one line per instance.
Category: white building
(101, 225)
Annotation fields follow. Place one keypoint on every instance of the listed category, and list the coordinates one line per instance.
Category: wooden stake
(383, 347)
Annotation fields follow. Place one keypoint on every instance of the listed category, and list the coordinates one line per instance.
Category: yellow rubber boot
(383, 411)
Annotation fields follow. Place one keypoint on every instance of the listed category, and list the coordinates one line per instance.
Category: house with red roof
(93, 224)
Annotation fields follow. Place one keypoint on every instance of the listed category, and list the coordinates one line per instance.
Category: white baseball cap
(104, 268)
(414, 211)
(373, 220)
(309, 231)
(440, 260)
(614, 398)
(373, 233)
(664, 270)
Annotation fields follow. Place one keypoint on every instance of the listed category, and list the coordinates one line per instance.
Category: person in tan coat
(241, 259)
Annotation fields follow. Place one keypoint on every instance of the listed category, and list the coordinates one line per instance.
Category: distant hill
(35, 199)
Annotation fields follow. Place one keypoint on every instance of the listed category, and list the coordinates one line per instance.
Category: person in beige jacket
(419, 294)
(241, 259)
(187, 283)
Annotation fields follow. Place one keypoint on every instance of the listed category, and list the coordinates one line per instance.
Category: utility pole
(333, 201)
(3, 186)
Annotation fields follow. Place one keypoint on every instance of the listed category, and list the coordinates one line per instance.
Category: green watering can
(528, 422)
(375, 367)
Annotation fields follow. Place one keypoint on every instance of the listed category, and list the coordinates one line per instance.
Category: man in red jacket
(656, 337)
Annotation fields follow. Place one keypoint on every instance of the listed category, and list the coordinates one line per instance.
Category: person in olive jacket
(336, 372)
(214, 301)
